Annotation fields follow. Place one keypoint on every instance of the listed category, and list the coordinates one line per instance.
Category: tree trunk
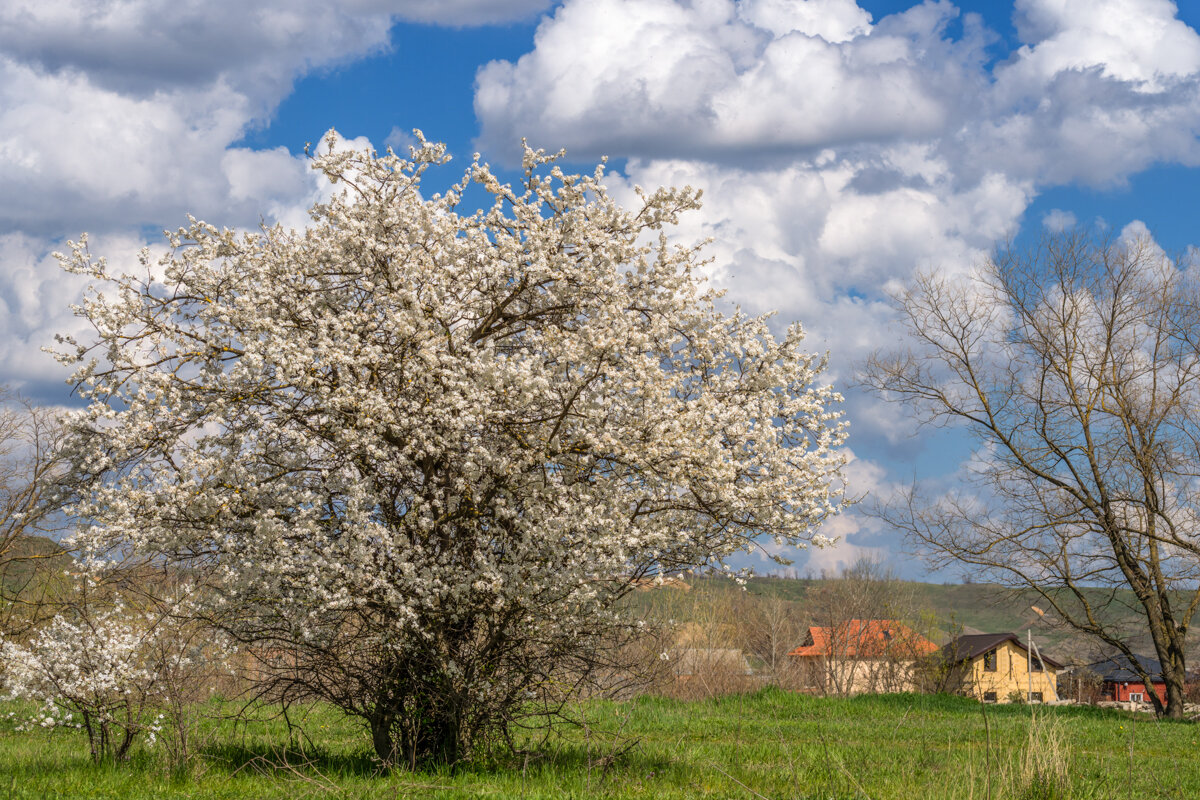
(381, 739)
(1174, 674)
(1168, 646)
(435, 737)
(445, 740)
(1175, 688)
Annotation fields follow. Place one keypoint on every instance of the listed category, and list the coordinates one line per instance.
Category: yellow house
(998, 668)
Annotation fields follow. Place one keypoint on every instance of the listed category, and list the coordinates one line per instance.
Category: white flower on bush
(99, 666)
(413, 440)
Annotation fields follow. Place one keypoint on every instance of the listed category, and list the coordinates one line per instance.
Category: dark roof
(1119, 669)
(966, 648)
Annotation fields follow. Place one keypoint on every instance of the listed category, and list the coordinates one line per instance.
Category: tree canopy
(419, 453)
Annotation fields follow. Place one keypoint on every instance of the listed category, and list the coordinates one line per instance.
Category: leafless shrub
(31, 563)
(1081, 685)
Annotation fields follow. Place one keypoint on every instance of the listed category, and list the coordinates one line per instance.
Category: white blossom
(101, 668)
(432, 428)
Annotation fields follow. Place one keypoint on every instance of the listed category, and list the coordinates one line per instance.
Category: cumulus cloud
(839, 153)
(35, 297)
(121, 116)
(126, 112)
(1098, 89)
(857, 535)
(142, 45)
(722, 81)
(816, 242)
(74, 155)
(458, 13)
(1139, 41)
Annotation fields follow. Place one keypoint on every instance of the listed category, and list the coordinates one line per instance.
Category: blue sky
(841, 145)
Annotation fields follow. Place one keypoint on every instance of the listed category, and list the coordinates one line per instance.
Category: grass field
(766, 745)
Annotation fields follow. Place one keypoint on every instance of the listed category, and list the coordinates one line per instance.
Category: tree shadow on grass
(318, 764)
(276, 760)
(568, 758)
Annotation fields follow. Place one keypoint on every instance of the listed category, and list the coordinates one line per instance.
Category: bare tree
(772, 628)
(864, 619)
(29, 467)
(707, 657)
(1075, 365)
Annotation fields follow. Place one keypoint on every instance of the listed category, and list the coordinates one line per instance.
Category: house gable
(996, 667)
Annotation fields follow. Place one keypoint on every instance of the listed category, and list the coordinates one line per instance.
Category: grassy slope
(27, 554)
(978, 607)
(770, 744)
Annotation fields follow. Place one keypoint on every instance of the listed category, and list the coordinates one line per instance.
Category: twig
(903, 717)
(853, 780)
(735, 780)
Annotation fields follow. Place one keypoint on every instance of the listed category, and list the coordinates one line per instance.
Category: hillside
(965, 608)
(26, 555)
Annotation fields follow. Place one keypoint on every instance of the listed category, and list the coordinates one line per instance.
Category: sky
(841, 146)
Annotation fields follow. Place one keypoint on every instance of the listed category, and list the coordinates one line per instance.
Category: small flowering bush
(419, 455)
(93, 672)
(118, 672)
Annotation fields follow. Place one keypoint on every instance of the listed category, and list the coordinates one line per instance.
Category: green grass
(770, 744)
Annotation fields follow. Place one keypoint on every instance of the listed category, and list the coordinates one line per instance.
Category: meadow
(769, 744)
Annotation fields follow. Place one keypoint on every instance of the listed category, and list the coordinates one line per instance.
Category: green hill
(965, 608)
(25, 556)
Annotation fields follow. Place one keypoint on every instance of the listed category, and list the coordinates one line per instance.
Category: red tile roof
(870, 638)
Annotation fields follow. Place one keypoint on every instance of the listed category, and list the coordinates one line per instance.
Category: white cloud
(822, 240)
(837, 154)
(1057, 220)
(832, 20)
(141, 47)
(35, 298)
(1100, 88)
(125, 112)
(858, 535)
(1130, 40)
(456, 13)
(78, 156)
(703, 79)
(119, 117)
(400, 141)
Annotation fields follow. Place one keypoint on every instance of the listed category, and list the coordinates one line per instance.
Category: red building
(1121, 682)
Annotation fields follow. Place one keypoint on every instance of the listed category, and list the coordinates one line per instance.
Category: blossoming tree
(118, 671)
(421, 454)
(100, 667)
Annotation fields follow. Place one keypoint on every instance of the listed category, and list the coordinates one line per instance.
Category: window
(989, 697)
(1035, 697)
(989, 661)
(1135, 697)
(1036, 664)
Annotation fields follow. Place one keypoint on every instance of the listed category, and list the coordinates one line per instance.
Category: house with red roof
(861, 655)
